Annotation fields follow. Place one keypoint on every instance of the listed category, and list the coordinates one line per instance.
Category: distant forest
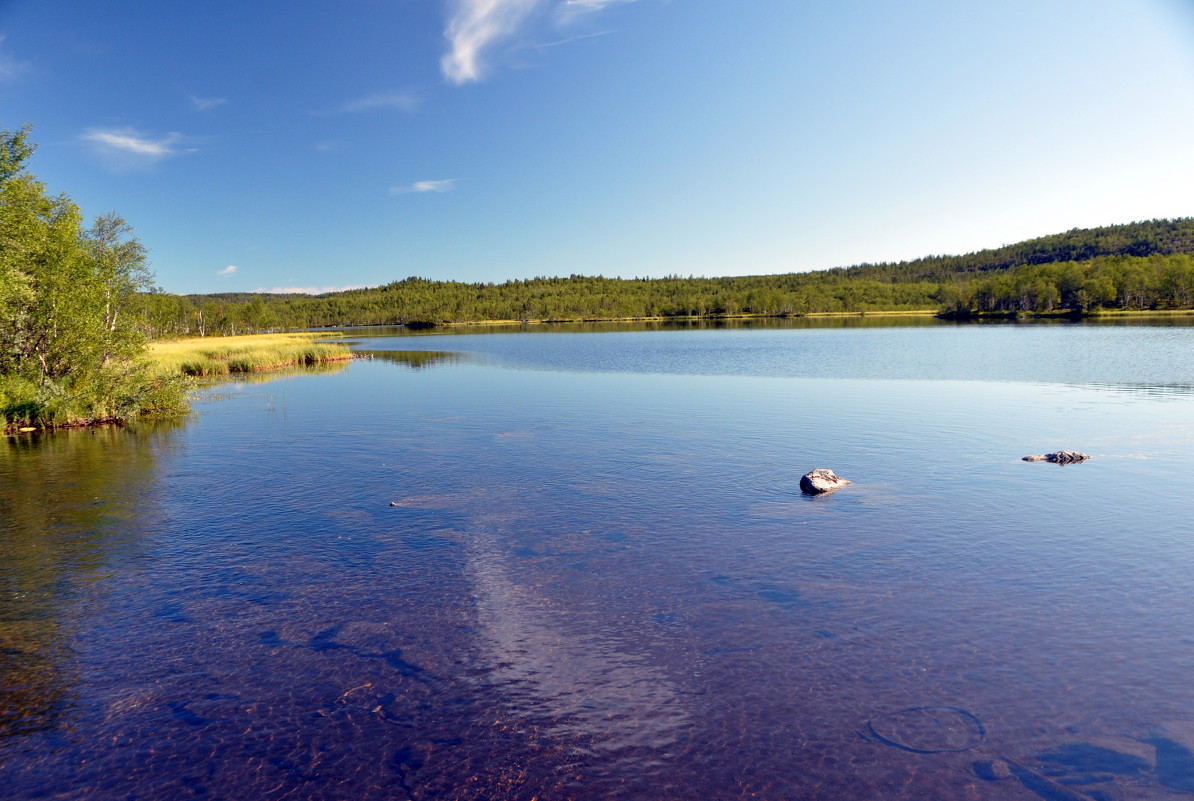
(1143, 265)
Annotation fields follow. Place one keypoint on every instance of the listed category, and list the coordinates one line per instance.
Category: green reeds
(219, 356)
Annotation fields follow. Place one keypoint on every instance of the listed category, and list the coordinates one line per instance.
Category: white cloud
(126, 147)
(307, 290)
(384, 100)
(10, 68)
(473, 27)
(418, 187)
(229, 270)
(207, 103)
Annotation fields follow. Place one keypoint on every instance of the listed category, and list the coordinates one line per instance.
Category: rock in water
(993, 770)
(821, 480)
(1061, 457)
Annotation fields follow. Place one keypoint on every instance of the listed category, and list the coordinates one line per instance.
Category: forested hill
(1144, 265)
(1147, 238)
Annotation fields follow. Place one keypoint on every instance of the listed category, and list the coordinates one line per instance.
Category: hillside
(1138, 239)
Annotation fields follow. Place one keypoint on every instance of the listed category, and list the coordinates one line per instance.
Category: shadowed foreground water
(607, 585)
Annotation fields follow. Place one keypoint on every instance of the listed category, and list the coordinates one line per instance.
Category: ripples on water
(599, 579)
(1156, 356)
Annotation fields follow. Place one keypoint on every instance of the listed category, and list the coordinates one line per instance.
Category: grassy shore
(1133, 313)
(1102, 314)
(254, 353)
(876, 313)
(1070, 314)
(156, 384)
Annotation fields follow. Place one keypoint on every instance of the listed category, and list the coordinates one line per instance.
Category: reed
(255, 353)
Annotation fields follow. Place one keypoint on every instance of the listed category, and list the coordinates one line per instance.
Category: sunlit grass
(216, 356)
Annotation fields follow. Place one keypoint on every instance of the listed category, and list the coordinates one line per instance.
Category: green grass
(255, 353)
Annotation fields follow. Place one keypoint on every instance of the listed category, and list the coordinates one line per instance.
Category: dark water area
(578, 566)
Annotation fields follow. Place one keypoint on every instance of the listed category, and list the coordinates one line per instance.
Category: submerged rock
(821, 480)
(1061, 457)
(993, 770)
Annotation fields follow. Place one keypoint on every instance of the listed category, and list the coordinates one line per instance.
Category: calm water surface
(578, 566)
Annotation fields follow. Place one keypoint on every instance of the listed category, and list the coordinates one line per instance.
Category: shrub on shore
(115, 393)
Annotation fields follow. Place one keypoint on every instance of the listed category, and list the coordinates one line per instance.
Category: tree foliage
(70, 331)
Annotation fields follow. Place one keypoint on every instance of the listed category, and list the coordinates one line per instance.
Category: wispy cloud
(207, 103)
(307, 290)
(473, 28)
(127, 147)
(229, 270)
(476, 26)
(593, 5)
(10, 67)
(401, 101)
(570, 9)
(571, 39)
(443, 185)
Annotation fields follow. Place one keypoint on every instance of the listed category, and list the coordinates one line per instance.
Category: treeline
(1142, 265)
(1103, 283)
(418, 300)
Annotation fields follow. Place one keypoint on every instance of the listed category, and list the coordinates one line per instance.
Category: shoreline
(185, 361)
(421, 325)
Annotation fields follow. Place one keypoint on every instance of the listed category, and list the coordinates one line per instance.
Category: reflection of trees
(415, 359)
(321, 368)
(68, 500)
(671, 324)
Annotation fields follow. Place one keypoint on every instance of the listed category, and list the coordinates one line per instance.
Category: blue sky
(318, 145)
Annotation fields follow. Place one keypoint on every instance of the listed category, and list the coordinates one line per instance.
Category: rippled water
(562, 565)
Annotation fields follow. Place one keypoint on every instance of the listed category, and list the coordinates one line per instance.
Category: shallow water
(600, 579)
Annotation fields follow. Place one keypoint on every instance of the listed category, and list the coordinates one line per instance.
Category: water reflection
(851, 321)
(270, 376)
(676, 324)
(415, 359)
(1148, 390)
(69, 501)
(576, 678)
